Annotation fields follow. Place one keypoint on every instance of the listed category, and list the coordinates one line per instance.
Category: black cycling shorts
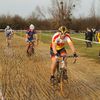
(63, 50)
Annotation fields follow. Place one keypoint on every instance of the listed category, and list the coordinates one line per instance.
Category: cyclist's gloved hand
(75, 55)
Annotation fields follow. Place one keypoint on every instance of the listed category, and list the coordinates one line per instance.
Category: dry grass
(26, 78)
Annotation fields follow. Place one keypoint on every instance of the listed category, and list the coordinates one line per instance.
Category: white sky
(84, 8)
(21, 7)
(25, 7)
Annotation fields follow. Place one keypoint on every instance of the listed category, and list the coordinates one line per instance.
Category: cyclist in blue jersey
(31, 36)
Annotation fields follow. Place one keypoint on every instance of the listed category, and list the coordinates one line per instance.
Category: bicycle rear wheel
(29, 52)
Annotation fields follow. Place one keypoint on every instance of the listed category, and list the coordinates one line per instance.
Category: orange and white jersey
(60, 42)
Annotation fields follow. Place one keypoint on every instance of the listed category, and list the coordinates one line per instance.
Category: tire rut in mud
(26, 78)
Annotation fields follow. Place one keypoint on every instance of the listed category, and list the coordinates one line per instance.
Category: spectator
(98, 36)
(94, 33)
(89, 37)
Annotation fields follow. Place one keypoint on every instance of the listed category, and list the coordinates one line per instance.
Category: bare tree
(61, 11)
(93, 14)
(39, 13)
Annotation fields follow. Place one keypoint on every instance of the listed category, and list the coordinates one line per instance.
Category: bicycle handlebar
(69, 56)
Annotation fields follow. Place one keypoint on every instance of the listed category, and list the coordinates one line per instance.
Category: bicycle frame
(8, 40)
(60, 71)
(61, 65)
(31, 48)
(61, 62)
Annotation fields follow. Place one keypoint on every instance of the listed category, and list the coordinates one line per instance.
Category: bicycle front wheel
(62, 84)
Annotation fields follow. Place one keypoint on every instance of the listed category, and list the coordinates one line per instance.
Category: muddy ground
(24, 78)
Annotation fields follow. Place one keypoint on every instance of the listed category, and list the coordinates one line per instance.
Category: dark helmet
(63, 30)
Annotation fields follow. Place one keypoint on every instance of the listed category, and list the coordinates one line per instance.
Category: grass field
(28, 78)
(79, 45)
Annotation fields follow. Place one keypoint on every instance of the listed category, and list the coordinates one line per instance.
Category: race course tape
(78, 39)
(85, 40)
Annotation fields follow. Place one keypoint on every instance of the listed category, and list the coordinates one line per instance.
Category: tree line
(17, 22)
(60, 14)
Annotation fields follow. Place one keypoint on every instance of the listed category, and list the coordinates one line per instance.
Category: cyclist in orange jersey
(57, 48)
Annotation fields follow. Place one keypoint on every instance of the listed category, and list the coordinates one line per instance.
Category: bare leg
(8, 40)
(27, 48)
(53, 66)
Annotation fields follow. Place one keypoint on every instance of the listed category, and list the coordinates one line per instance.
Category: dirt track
(28, 79)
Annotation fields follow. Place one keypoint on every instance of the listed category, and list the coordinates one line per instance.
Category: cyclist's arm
(27, 36)
(54, 47)
(70, 43)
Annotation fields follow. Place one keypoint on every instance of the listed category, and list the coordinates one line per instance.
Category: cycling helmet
(31, 27)
(63, 30)
(8, 27)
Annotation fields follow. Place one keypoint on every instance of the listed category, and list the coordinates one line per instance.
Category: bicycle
(8, 40)
(59, 79)
(30, 50)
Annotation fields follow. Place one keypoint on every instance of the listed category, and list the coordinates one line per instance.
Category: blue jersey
(31, 34)
(8, 32)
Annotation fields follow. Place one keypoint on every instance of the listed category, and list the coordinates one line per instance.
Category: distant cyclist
(31, 36)
(57, 48)
(8, 34)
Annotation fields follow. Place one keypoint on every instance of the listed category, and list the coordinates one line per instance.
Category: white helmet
(8, 27)
(32, 27)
